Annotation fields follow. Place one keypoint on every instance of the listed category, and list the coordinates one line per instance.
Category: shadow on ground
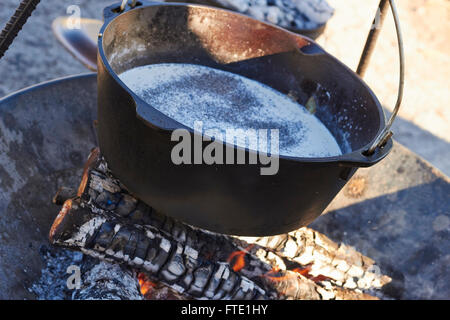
(397, 213)
(432, 148)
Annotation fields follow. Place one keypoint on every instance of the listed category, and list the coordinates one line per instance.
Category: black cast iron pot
(136, 141)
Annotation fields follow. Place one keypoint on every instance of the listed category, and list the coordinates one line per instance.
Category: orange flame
(237, 258)
(276, 275)
(305, 272)
(320, 278)
(145, 284)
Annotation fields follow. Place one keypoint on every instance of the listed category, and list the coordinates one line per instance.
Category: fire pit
(104, 221)
(42, 165)
(57, 161)
(132, 251)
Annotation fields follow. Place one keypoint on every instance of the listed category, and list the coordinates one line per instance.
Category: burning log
(318, 258)
(181, 267)
(107, 222)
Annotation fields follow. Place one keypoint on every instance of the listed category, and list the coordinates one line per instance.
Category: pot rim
(355, 158)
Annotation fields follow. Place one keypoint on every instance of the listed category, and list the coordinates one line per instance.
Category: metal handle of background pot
(124, 4)
(386, 133)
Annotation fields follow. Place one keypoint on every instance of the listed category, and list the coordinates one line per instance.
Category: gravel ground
(35, 55)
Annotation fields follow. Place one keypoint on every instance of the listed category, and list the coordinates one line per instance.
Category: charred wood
(181, 267)
(317, 257)
(64, 194)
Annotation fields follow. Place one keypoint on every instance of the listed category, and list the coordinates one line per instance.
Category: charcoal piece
(130, 246)
(104, 236)
(211, 290)
(91, 194)
(192, 239)
(230, 281)
(142, 246)
(201, 278)
(108, 201)
(239, 294)
(119, 241)
(165, 248)
(151, 252)
(187, 280)
(175, 267)
(179, 232)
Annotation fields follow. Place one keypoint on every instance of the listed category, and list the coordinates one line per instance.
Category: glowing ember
(277, 275)
(237, 259)
(306, 273)
(303, 271)
(145, 284)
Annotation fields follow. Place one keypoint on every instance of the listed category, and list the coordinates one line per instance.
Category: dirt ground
(425, 117)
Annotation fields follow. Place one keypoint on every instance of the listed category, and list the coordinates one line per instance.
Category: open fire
(172, 260)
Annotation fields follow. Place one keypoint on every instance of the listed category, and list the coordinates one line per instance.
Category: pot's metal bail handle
(114, 10)
(386, 133)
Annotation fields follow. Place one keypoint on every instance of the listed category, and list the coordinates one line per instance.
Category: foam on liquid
(224, 100)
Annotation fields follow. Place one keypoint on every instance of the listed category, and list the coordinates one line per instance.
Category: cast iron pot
(135, 138)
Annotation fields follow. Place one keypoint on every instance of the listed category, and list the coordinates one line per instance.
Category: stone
(257, 12)
(259, 3)
(315, 10)
(274, 15)
(239, 5)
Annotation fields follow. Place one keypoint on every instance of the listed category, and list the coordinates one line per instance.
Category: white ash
(52, 284)
(224, 101)
(299, 14)
(108, 281)
(99, 280)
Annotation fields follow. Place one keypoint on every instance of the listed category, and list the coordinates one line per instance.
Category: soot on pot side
(223, 100)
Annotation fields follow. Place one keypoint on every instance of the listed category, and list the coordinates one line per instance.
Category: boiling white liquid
(224, 100)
